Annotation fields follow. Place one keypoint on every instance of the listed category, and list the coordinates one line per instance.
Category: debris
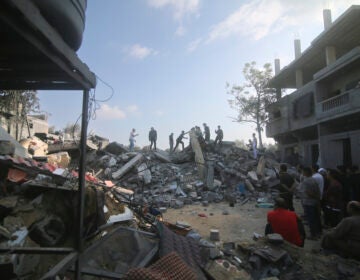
(122, 217)
(275, 238)
(249, 186)
(61, 159)
(7, 147)
(223, 270)
(214, 235)
(123, 170)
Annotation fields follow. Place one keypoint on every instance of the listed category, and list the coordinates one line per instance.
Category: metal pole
(81, 192)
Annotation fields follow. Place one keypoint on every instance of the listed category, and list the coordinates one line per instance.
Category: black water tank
(67, 17)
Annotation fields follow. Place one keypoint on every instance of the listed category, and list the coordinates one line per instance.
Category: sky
(165, 63)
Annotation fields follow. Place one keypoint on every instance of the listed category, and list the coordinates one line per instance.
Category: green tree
(18, 104)
(251, 98)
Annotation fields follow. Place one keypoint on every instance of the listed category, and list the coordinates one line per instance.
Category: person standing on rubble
(179, 140)
(132, 140)
(219, 135)
(171, 141)
(152, 138)
(254, 146)
(206, 132)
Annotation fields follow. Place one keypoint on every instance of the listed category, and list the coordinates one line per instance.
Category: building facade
(319, 122)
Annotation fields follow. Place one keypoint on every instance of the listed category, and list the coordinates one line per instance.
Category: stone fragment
(61, 159)
(144, 173)
(49, 231)
(249, 186)
(214, 235)
(253, 176)
(124, 169)
(223, 270)
(9, 202)
(183, 224)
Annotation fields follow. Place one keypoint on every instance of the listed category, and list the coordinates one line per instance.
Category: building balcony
(277, 126)
(340, 105)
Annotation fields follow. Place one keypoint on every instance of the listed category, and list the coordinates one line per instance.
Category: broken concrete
(123, 170)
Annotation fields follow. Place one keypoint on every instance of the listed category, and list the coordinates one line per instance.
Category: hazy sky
(168, 61)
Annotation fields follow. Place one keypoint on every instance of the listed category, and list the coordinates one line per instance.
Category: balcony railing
(344, 103)
(335, 102)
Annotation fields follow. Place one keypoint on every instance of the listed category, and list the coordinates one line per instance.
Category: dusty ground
(241, 223)
(244, 220)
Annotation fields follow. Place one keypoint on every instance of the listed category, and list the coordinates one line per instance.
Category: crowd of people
(330, 205)
(203, 137)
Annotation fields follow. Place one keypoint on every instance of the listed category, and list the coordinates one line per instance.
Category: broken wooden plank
(130, 164)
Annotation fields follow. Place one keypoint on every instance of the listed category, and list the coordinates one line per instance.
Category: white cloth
(320, 181)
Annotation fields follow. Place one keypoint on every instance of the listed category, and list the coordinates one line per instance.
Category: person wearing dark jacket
(219, 135)
(286, 187)
(152, 138)
(333, 200)
(179, 140)
(206, 132)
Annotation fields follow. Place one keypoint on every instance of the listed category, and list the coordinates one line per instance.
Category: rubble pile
(125, 196)
(164, 180)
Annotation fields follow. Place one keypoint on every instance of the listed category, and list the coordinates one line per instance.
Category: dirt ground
(240, 223)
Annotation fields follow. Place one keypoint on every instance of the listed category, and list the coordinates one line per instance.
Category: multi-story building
(319, 122)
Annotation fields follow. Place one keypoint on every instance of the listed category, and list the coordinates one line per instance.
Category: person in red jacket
(286, 223)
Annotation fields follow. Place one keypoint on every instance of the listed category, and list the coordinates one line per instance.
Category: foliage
(19, 104)
(251, 98)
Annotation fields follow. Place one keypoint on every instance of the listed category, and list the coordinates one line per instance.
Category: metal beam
(82, 182)
(61, 266)
(36, 250)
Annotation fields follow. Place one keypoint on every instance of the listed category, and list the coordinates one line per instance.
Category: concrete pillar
(277, 66)
(299, 78)
(327, 18)
(330, 53)
(297, 48)
(277, 71)
(210, 175)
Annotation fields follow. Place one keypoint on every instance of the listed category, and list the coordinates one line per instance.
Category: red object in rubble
(202, 215)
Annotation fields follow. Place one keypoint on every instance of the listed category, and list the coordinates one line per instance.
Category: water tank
(67, 17)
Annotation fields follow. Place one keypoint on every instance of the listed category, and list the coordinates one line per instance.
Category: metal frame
(34, 56)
